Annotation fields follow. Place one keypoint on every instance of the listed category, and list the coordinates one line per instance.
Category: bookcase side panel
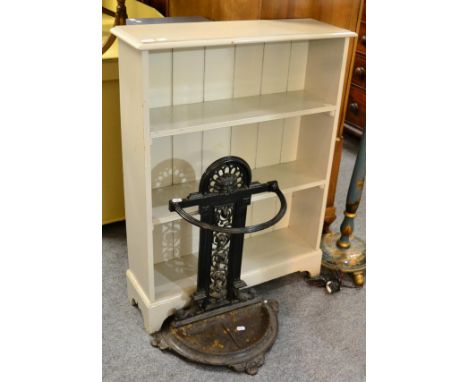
(325, 58)
(306, 214)
(133, 69)
(263, 210)
(315, 139)
(284, 222)
(341, 55)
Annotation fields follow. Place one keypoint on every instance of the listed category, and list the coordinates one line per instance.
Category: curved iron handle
(240, 230)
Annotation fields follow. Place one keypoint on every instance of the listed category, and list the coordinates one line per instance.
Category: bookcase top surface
(187, 35)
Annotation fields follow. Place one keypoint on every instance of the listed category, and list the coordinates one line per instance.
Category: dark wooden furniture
(355, 121)
(342, 13)
(160, 5)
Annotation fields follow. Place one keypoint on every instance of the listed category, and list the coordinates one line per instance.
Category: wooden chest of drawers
(356, 108)
(355, 121)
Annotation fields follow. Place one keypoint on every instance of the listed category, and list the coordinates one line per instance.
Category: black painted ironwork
(224, 194)
(225, 324)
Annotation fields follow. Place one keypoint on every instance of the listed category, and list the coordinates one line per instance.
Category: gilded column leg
(354, 196)
(342, 251)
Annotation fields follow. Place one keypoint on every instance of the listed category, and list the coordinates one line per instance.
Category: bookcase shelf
(291, 176)
(267, 91)
(265, 257)
(188, 118)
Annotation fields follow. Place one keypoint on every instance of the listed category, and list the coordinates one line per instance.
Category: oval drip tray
(237, 338)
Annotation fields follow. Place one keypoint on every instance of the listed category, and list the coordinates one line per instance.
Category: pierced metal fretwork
(224, 194)
(220, 307)
(220, 253)
(227, 178)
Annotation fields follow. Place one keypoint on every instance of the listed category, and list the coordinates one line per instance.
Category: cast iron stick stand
(343, 251)
(223, 325)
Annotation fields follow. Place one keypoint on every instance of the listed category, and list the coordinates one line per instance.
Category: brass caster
(358, 278)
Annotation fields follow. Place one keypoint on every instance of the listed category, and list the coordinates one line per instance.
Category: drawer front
(361, 45)
(359, 71)
(356, 111)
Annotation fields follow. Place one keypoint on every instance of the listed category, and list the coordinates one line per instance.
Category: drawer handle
(354, 107)
(363, 40)
(360, 71)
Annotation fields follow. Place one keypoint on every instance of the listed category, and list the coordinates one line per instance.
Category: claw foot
(250, 367)
(158, 341)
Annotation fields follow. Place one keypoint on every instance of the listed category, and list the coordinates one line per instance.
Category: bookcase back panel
(163, 242)
(276, 58)
(188, 76)
(219, 73)
(182, 80)
(185, 76)
(175, 239)
(216, 144)
(270, 137)
(244, 142)
(298, 65)
(160, 79)
(187, 157)
(307, 140)
(183, 158)
(248, 70)
(161, 162)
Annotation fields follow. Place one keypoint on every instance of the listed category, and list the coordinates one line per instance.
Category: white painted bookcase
(268, 91)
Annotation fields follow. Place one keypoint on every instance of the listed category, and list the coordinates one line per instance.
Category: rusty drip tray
(238, 338)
